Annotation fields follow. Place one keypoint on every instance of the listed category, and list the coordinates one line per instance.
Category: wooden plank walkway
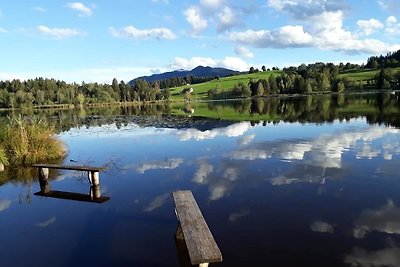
(200, 243)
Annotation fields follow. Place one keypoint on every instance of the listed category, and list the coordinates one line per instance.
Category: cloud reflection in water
(169, 164)
(4, 204)
(322, 227)
(385, 219)
(234, 130)
(46, 223)
(387, 257)
(157, 202)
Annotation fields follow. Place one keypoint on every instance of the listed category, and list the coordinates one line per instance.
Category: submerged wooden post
(179, 233)
(95, 191)
(44, 186)
(94, 177)
(44, 180)
(43, 173)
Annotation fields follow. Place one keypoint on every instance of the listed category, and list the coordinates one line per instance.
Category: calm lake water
(318, 187)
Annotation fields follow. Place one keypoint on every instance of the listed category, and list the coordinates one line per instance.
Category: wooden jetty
(194, 231)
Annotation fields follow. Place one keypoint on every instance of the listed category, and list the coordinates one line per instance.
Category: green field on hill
(363, 74)
(227, 83)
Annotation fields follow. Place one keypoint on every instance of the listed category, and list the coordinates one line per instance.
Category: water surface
(274, 193)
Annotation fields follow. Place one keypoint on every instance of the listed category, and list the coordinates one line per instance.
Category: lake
(298, 181)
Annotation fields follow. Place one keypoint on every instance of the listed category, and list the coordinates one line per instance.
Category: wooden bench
(93, 177)
(93, 172)
(193, 229)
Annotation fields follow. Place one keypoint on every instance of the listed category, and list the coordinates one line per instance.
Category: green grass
(359, 75)
(227, 83)
(27, 141)
(362, 75)
(3, 156)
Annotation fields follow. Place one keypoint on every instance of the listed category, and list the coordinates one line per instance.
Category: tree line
(179, 81)
(41, 91)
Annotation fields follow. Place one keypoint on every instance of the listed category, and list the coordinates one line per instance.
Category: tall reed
(26, 141)
(3, 156)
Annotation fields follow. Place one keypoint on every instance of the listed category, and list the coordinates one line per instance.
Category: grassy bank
(26, 141)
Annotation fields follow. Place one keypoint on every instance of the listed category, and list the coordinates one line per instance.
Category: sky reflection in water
(289, 194)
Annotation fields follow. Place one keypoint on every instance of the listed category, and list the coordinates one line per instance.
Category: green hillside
(363, 74)
(227, 83)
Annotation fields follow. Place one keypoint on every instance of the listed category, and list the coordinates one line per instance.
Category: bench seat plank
(200, 242)
(70, 167)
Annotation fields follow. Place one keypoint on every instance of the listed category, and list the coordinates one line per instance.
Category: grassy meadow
(227, 83)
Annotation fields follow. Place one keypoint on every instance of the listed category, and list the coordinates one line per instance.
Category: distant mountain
(198, 72)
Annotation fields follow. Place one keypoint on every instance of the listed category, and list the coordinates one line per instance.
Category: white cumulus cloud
(369, 26)
(135, 33)
(392, 26)
(227, 19)
(391, 20)
(195, 19)
(58, 33)
(83, 10)
(322, 30)
(286, 36)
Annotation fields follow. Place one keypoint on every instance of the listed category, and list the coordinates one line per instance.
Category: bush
(28, 141)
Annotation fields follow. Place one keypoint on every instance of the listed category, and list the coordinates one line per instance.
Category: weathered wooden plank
(72, 196)
(70, 167)
(200, 242)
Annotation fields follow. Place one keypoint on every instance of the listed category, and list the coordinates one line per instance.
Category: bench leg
(43, 173)
(94, 177)
(44, 180)
(203, 264)
(95, 191)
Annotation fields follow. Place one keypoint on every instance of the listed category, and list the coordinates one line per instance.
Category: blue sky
(95, 41)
